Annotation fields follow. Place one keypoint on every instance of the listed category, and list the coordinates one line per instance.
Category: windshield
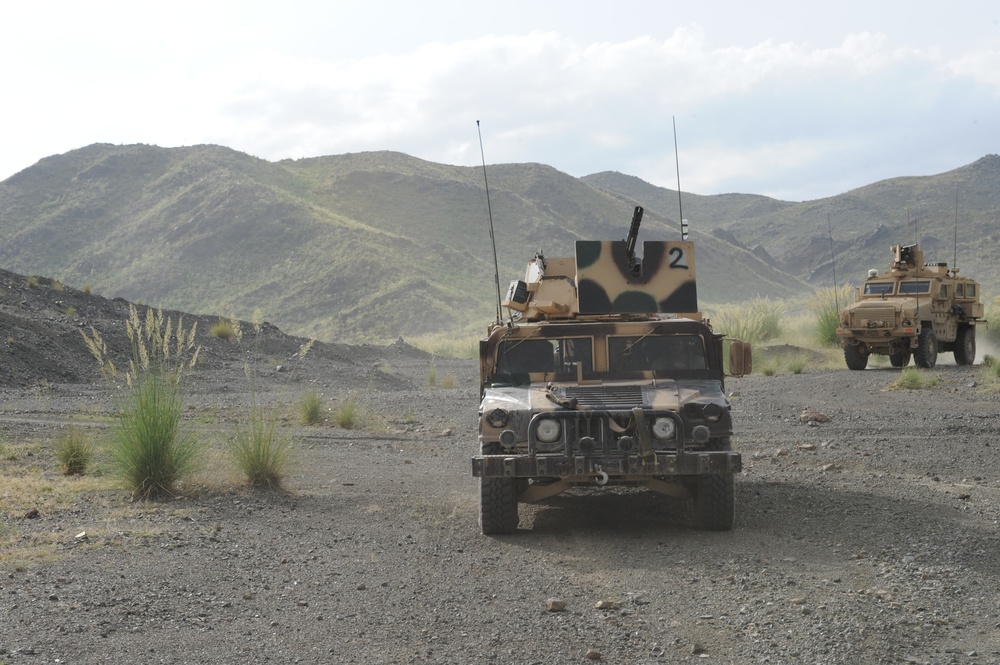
(664, 352)
(915, 287)
(518, 357)
(878, 288)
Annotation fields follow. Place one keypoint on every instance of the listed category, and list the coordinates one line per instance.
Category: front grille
(617, 397)
(875, 316)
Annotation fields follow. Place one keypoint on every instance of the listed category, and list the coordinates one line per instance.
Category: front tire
(497, 500)
(899, 359)
(925, 355)
(965, 345)
(855, 358)
(715, 496)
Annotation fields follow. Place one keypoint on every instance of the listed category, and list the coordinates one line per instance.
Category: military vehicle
(914, 309)
(607, 375)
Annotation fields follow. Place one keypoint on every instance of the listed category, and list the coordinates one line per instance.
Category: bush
(348, 413)
(149, 450)
(223, 329)
(259, 451)
(74, 451)
(912, 378)
(310, 408)
(758, 321)
(825, 306)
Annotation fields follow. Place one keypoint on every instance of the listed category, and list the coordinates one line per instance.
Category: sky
(792, 100)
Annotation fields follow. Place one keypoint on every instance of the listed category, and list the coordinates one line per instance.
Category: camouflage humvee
(913, 309)
(607, 375)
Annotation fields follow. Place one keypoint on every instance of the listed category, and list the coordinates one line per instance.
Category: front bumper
(617, 467)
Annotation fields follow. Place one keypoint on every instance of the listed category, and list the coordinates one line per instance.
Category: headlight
(664, 428)
(712, 412)
(497, 418)
(548, 430)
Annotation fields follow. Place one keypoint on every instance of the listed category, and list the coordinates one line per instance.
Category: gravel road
(870, 538)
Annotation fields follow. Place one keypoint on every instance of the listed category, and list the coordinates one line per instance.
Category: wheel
(854, 357)
(497, 500)
(925, 355)
(899, 359)
(965, 345)
(715, 502)
(715, 496)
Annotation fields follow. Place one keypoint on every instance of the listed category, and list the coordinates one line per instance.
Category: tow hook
(602, 477)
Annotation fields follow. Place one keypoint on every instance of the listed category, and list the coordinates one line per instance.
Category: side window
(970, 291)
(944, 290)
(959, 290)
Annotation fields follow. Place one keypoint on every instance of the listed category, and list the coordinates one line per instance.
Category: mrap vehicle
(605, 374)
(914, 309)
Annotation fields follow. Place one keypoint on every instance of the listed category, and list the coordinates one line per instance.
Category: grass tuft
(259, 451)
(310, 408)
(74, 452)
(150, 452)
(349, 413)
(223, 329)
(756, 322)
(912, 378)
(825, 306)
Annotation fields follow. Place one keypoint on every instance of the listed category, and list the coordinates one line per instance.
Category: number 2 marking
(677, 258)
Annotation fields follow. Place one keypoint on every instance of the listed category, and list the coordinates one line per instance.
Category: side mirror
(739, 356)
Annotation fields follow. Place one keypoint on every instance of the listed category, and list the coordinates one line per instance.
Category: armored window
(573, 350)
(915, 287)
(959, 290)
(970, 291)
(656, 353)
(878, 288)
(523, 356)
(944, 291)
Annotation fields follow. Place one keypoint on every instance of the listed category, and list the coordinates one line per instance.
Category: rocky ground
(869, 538)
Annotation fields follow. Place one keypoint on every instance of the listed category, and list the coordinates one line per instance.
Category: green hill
(372, 246)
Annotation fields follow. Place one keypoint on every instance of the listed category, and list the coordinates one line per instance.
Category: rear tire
(965, 345)
(497, 500)
(855, 358)
(715, 496)
(925, 355)
(899, 359)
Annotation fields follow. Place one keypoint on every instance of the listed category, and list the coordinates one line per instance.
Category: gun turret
(634, 264)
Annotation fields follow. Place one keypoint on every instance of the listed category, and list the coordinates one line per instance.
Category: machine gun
(634, 264)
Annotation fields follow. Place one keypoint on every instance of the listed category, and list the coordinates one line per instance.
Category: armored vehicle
(606, 375)
(915, 309)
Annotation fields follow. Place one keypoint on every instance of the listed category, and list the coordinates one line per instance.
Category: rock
(810, 415)
(606, 605)
(807, 446)
(555, 605)
(32, 514)
(592, 654)
(447, 432)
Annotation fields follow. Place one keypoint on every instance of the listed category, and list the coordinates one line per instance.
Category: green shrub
(223, 329)
(758, 321)
(825, 306)
(259, 451)
(149, 450)
(32, 282)
(310, 408)
(992, 314)
(432, 375)
(74, 451)
(348, 413)
(912, 378)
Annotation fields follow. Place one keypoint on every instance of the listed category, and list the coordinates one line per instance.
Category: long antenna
(677, 160)
(833, 262)
(954, 262)
(489, 210)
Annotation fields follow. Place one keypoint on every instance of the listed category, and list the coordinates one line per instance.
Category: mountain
(353, 247)
(373, 246)
(952, 214)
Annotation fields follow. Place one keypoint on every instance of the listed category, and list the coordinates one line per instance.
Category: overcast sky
(793, 100)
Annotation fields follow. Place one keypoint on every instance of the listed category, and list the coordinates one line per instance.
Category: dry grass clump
(912, 378)
(74, 451)
(310, 408)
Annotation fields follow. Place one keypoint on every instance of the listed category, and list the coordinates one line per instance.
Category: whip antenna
(833, 262)
(954, 261)
(489, 211)
(677, 160)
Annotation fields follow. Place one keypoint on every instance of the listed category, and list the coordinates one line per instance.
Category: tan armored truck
(914, 309)
(607, 375)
